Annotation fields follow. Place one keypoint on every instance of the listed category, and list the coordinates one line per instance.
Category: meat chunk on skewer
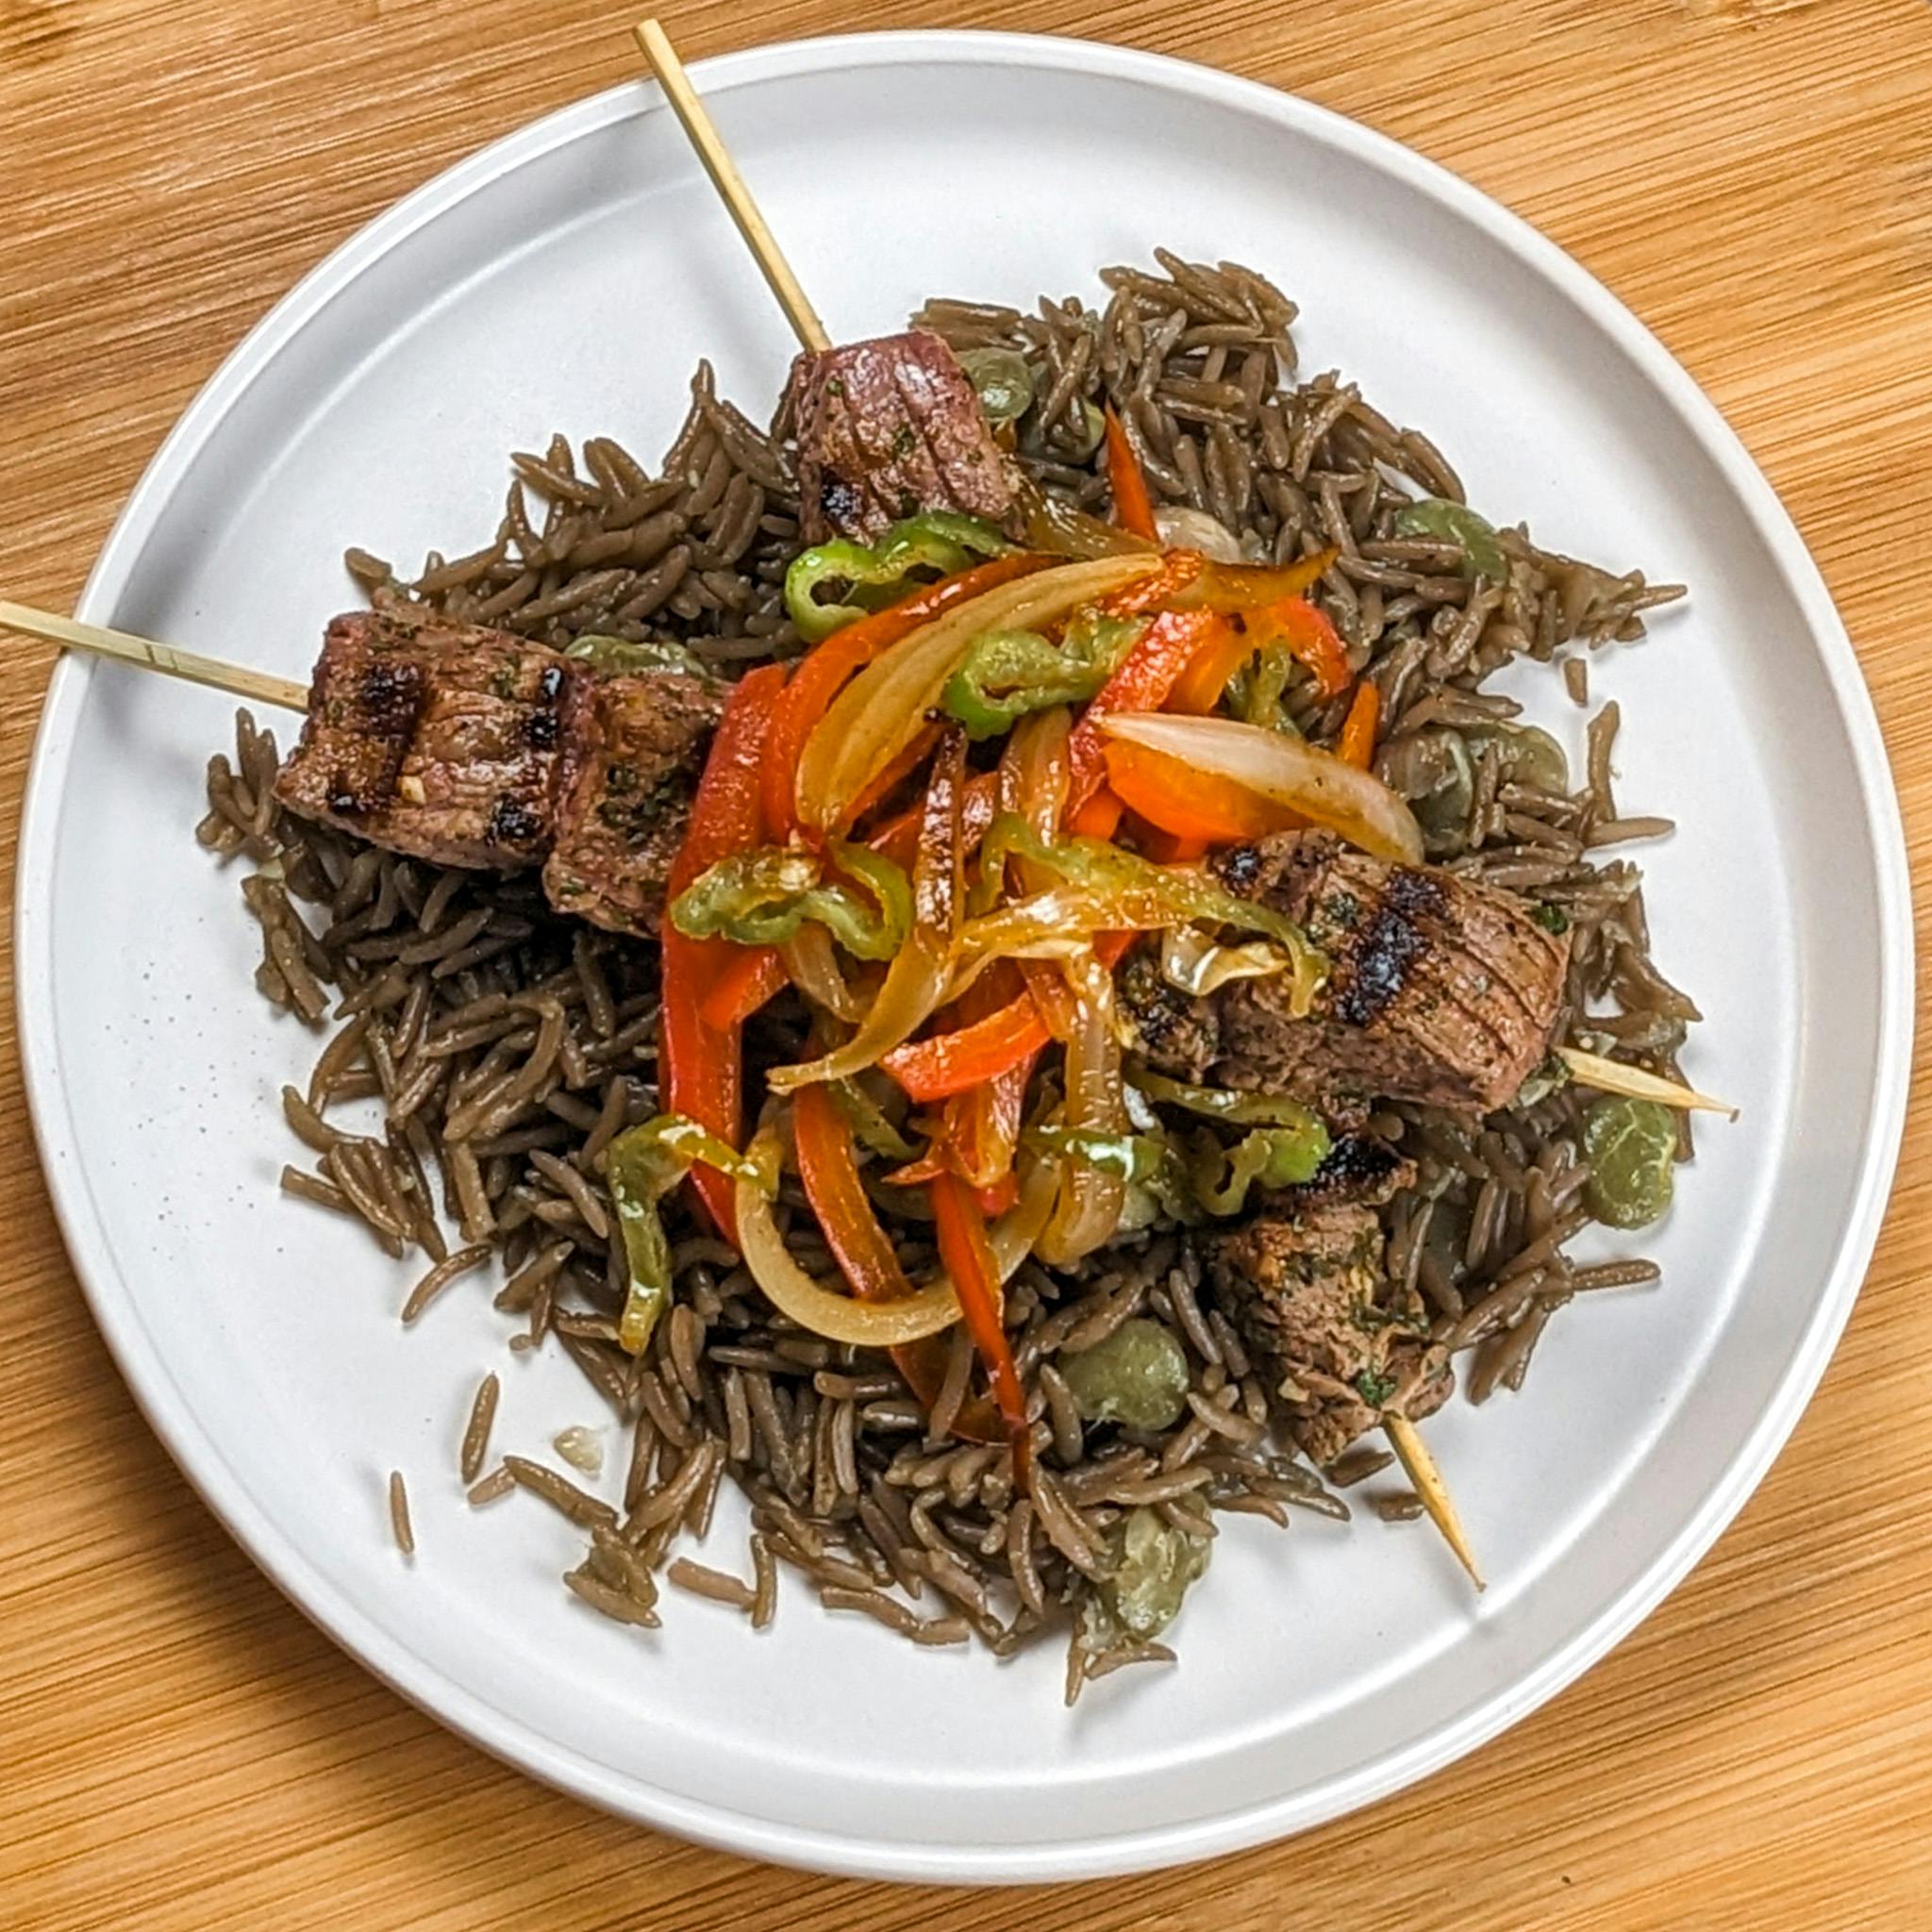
(625, 796)
(1304, 1287)
(1439, 990)
(434, 739)
(889, 428)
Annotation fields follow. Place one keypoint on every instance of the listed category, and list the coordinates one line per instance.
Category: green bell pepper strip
(870, 1126)
(1139, 893)
(1007, 673)
(1263, 1156)
(1142, 1161)
(940, 541)
(642, 1165)
(1456, 523)
(763, 896)
(1255, 691)
(1001, 379)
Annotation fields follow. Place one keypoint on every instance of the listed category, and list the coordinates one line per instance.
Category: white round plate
(569, 278)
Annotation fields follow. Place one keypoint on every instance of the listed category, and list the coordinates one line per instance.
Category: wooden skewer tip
(1419, 1467)
(716, 158)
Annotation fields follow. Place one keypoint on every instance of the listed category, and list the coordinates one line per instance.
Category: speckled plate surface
(567, 277)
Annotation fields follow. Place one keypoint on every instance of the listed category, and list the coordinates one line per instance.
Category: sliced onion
(873, 1324)
(915, 984)
(793, 1293)
(1090, 1200)
(1182, 528)
(1196, 964)
(1058, 528)
(882, 710)
(813, 967)
(1281, 768)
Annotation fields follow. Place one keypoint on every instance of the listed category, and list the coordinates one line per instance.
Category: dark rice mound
(507, 1045)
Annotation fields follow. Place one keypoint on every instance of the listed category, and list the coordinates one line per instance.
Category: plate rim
(114, 1302)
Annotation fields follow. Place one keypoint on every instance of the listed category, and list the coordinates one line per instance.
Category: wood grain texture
(179, 1749)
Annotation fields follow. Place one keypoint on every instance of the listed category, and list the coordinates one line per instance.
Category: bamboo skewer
(1614, 1076)
(730, 183)
(1419, 1467)
(238, 680)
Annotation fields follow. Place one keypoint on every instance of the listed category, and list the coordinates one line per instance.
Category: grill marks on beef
(433, 739)
(889, 428)
(1303, 1287)
(625, 794)
(470, 747)
(1439, 992)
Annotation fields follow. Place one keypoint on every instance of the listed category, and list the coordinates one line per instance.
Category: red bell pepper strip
(1133, 508)
(828, 1168)
(968, 1258)
(982, 1125)
(700, 1072)
(1001, 1196)
(822, 1139)
(1146, 675)
(753, 977)
(953, 1063)
(817, 680)
(1356, 744)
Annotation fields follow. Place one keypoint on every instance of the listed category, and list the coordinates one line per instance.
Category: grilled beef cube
(1305, 1291)
(434, 739)
(1439, 990)
(887, 428)
(623, 796)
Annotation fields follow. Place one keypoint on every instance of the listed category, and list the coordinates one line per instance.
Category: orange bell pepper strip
(1142, 683)
(828, 1168)
(817, 680)
(1356, 744)
(1133, 508)
(1176, 574)
(753, 977)
(1310, 640)
(1099, 817)
(1198, 688)
(1170, 794)
(700, 1070)
(968, 1258)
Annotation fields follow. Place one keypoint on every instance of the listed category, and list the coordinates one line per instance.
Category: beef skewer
(470, 747)
(633, 731)
(896, 417)
(886, 427)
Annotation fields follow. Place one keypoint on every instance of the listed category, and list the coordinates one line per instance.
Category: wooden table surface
(180, 1748)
